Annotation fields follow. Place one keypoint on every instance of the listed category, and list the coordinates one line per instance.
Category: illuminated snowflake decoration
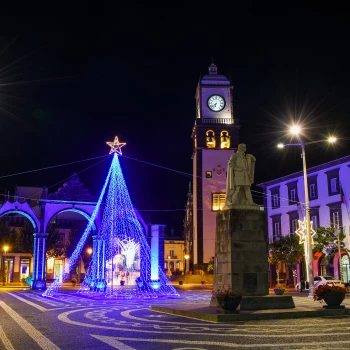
(301, 231)
(115, 146)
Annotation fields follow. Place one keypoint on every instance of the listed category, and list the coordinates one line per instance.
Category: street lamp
(296, 130)
(6, 248)
(186, 258)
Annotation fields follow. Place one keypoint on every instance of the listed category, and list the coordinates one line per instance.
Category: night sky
(69, 84)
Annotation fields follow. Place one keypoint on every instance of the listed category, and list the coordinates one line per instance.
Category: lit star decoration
(116, 146)
(301, 231)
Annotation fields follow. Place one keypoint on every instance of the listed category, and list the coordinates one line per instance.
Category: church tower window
(224, 139)
(210, 138)
(218, 201)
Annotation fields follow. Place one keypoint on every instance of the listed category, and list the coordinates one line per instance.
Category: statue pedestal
(241, 251)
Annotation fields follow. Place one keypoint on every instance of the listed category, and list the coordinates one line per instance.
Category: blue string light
(77, 252)
(123, 264)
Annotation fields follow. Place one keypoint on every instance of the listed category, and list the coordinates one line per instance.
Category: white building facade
(329, 192)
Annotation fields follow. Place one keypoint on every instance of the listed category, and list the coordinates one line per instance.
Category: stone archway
(71, 197)
(21, 209)
(17, 265)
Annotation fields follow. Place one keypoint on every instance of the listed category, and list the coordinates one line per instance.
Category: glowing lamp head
(187, 256)
(332, 139)
(89, 251)
(6, 248)
(280, 145)
(295, 129)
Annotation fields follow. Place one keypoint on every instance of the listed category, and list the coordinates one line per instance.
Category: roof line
(309, 171)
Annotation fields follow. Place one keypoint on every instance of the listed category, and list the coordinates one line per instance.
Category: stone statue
(240, 176)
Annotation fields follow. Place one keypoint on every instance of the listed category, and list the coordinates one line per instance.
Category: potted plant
(181, 282)
(202, 282)
(122, 282)
(228, 298)
(74, 281)
(331, 294)
(279, 290)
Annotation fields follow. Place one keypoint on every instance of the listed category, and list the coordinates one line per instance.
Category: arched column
(39, 268)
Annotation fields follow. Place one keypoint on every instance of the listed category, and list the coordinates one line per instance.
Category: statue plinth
(241, 251)
(242, 207)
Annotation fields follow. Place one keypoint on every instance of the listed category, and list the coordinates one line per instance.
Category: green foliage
(287, 250)
(280, 288)
(210, 267)
(324, 242)
(28, 280)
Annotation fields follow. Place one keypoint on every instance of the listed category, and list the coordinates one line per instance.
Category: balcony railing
(214, 121)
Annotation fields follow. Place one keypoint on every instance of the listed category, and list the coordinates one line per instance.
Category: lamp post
(186, 258)
(5, 274)
(295, 130)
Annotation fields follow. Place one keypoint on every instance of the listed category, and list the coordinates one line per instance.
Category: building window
(293, 195)
(208, 174)
(210, 139)
(336, 219)
(294, 225)
(335, 214)
(276, 227)
(292, 192)
(334, 185)
(224, 139)
(171, 253)
(293, 221)
(218, 201)
(315, 217)
(275, 197)
(333, 182)
(313, 191)
(312, 181)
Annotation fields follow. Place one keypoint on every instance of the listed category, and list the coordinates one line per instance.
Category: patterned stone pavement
(73, 321)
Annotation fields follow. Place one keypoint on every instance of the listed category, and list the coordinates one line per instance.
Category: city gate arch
(71, 197)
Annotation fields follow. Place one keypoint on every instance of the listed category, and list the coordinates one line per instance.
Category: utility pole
(339, 254)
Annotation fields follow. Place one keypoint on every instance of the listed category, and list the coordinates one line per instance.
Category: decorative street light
(6, 248)
(186, 258)
(296, 130)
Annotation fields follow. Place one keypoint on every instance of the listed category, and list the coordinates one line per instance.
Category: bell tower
(215, 138)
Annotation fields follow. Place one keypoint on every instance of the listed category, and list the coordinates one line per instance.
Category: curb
(214, 315)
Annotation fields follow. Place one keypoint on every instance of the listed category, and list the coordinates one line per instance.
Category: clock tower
(215, 139)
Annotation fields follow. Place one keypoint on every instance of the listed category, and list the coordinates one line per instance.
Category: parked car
(322, 280)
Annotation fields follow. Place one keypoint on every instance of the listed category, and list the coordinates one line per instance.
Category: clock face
(216, 103)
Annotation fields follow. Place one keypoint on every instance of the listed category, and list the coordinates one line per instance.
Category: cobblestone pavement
(73, 321)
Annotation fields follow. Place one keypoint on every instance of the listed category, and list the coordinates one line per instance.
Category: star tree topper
(301, 231)
(115, 146)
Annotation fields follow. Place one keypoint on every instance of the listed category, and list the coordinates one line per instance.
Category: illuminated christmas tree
(123, 264)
